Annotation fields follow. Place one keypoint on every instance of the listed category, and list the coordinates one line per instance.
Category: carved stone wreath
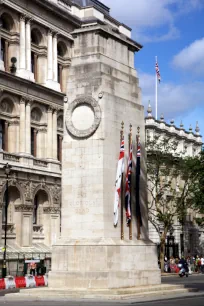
(83, 101)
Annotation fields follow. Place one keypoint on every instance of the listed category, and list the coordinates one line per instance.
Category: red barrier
(20, 282)
(2, 283)
(39, 281)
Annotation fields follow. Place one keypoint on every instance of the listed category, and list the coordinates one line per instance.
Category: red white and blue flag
(157, 71)
(119, 175)
(128, 188)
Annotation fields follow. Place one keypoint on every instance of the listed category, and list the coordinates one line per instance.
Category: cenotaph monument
(103, 90)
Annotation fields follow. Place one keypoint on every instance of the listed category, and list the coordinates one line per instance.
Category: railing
(11, 157)
(40, 163)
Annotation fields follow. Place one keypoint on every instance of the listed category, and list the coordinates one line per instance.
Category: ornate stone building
(187, 239)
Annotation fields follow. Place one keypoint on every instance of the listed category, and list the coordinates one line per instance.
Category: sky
(172, 30)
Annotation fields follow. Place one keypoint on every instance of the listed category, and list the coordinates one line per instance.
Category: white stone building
(186, 239)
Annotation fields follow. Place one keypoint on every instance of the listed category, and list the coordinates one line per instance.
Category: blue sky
(173, 31)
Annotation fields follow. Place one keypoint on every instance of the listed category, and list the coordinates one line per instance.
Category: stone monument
(103, 91)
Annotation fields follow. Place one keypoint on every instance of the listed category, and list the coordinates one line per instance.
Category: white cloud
(191, 58)
(143, 15)
(174, 100)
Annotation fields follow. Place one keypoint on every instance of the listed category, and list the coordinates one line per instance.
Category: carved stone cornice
(51, 210)
(24, 207)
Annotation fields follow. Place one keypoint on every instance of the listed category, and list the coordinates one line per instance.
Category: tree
(170, 185)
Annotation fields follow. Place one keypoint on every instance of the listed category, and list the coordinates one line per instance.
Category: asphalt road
(192, 299)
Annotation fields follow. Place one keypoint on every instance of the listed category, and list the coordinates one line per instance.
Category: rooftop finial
(149, 110)
(162, 117)
(181, 125)
(197, 129)
(190, 129)
(172, 121)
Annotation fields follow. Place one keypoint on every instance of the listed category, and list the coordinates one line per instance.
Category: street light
(7, 170)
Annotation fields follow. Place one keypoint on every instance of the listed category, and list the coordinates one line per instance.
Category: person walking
(202, 264)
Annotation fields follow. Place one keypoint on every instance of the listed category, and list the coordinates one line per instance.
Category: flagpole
(138, 217)
(130, 225)
(122, 189)
(156, 93)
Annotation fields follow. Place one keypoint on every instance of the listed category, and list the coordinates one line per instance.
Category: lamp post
(7, 170)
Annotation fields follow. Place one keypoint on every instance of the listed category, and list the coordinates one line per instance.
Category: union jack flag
(158, 72)
(119, 175)
(127, 188)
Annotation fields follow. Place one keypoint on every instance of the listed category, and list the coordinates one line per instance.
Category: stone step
(43, 293)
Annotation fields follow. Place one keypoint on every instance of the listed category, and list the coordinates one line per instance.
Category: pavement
(182, 298)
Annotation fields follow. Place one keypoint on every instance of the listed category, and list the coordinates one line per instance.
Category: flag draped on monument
(119, 175)
(138, 209)
(127, 188)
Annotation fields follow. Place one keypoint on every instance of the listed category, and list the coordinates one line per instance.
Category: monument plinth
(103, 91)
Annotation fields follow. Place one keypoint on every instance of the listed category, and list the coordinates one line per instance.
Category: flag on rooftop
(158, 71)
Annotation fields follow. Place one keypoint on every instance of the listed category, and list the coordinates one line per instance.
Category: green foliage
(175, 183)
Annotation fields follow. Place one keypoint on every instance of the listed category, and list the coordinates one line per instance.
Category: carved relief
(36, 115)
(6, 106)
(51, 210)
(56, 193)
(24, 207)
(93, 104)
(28, 187)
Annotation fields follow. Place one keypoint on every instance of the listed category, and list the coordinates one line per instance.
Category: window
(33, 142)
(35, 210)
(59, 147)
(3, 135)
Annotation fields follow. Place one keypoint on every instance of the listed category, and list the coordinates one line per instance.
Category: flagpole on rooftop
(156, 93)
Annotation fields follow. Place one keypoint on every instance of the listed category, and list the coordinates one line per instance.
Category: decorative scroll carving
(51, 210)
(37, 229)
(56, 194)
(28, 188)
(6, 106)
(24, 207)
(93, 104)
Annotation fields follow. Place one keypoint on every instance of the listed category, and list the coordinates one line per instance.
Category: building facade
(183, 239)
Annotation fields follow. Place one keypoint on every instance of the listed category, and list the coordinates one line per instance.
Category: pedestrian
(202, 264)
(32, 268)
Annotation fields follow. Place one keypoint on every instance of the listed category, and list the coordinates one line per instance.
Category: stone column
(35, 67)
(35, 142)
(49, 56)
(22, 126)
(28, 45)
(54, 134)
(28, 127)
(49, 133)
(54, 50)
(6, 136)
(6, 63)
(22, 43)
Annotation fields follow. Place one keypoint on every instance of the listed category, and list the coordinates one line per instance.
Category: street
(190, 299)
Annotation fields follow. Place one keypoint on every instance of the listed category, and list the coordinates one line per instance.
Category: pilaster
(54, 135)
(22, 43)
(49, 133)
(22, 125)
(28, 127)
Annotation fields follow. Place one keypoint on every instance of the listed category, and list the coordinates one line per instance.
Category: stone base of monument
(139, 294)
(103, 264)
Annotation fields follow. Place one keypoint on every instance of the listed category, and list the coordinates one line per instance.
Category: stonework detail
(80, 101)
(51, 210)
(24, 207)
(56, 194)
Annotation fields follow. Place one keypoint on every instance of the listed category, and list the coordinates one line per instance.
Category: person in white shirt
(202, 264)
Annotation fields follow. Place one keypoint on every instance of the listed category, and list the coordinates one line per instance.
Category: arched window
(40, 200)
(36, 116)
(61, 53)
(36, 38)
(7, 22)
